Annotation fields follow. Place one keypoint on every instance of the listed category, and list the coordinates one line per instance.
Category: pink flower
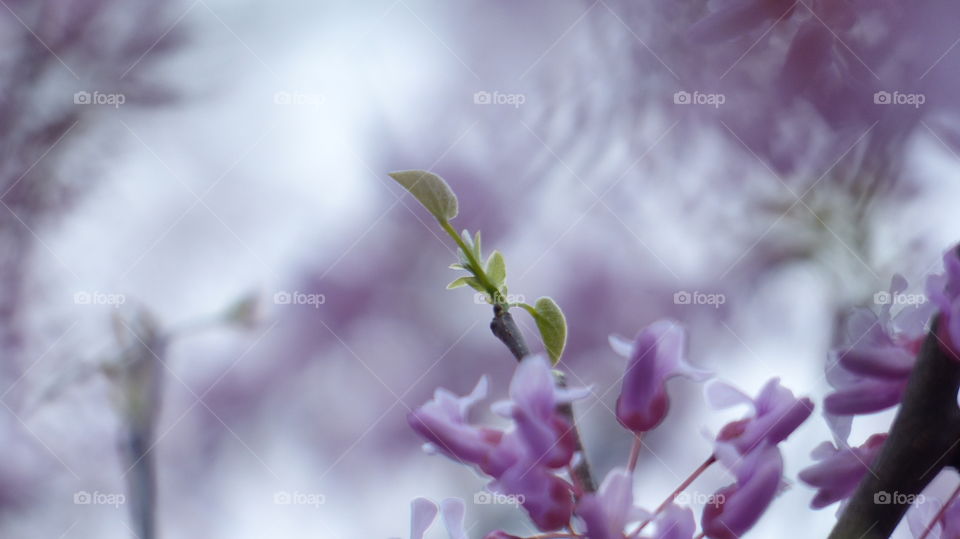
(655, 356)
(739, 506)
(607, 512)
(423, 512)
(776, 414)
(871, 373)
(944, 292)
(839, 471)
(547, 436)
(443, 423)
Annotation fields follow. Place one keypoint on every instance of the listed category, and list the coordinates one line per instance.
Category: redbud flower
(776, 414)
(944, 292)
(839, 471)
(423, 512)
(674, 522)
(920, 516)
(534, 394)
(871, 374)
(443, 422)
(655, 356)
(739, 506)
(607, 512)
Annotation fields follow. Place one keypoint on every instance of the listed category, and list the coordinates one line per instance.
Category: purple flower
(423, 512)
(839, 471)
(944, 292)
(675, 522)
(740, 505)
(776, 414)
(736, 17)
(922, 514)
(534, 394)
(500, 534)
(655, 356)
(606, 513)
(521, 460)
(870, 374)
(443, 422)
(546, 497)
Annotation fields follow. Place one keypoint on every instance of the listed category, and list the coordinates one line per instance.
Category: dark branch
(923, 440)
(505, 328)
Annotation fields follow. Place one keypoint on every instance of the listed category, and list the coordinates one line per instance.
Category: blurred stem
(676, 492)
(505, 328)
(923, 440)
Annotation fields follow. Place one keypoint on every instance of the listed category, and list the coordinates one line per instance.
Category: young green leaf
(552, 326)
(476, 245)
(431, 190)
(465, 281)
(496, 269)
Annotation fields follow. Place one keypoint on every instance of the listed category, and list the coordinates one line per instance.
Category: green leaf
(431, 190)
(496, 269)
(456, 267)
(476, 245)
(552, 326)
(464, 261)
(464, 281)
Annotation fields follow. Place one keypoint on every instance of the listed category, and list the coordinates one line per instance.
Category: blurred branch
(924, 439)
(505, 328)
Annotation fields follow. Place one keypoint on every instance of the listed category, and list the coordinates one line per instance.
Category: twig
(505, 328)
(923, 440)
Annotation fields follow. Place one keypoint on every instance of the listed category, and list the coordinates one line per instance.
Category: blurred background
(212, 175)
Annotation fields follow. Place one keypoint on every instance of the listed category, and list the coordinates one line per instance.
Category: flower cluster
(870, 373)
(532, 458)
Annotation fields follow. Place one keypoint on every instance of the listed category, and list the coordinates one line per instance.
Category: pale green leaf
(552, 326)
(496, 269)
(431, 190)
(463, 281)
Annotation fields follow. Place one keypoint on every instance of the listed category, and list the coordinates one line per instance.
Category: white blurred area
(227, 191)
